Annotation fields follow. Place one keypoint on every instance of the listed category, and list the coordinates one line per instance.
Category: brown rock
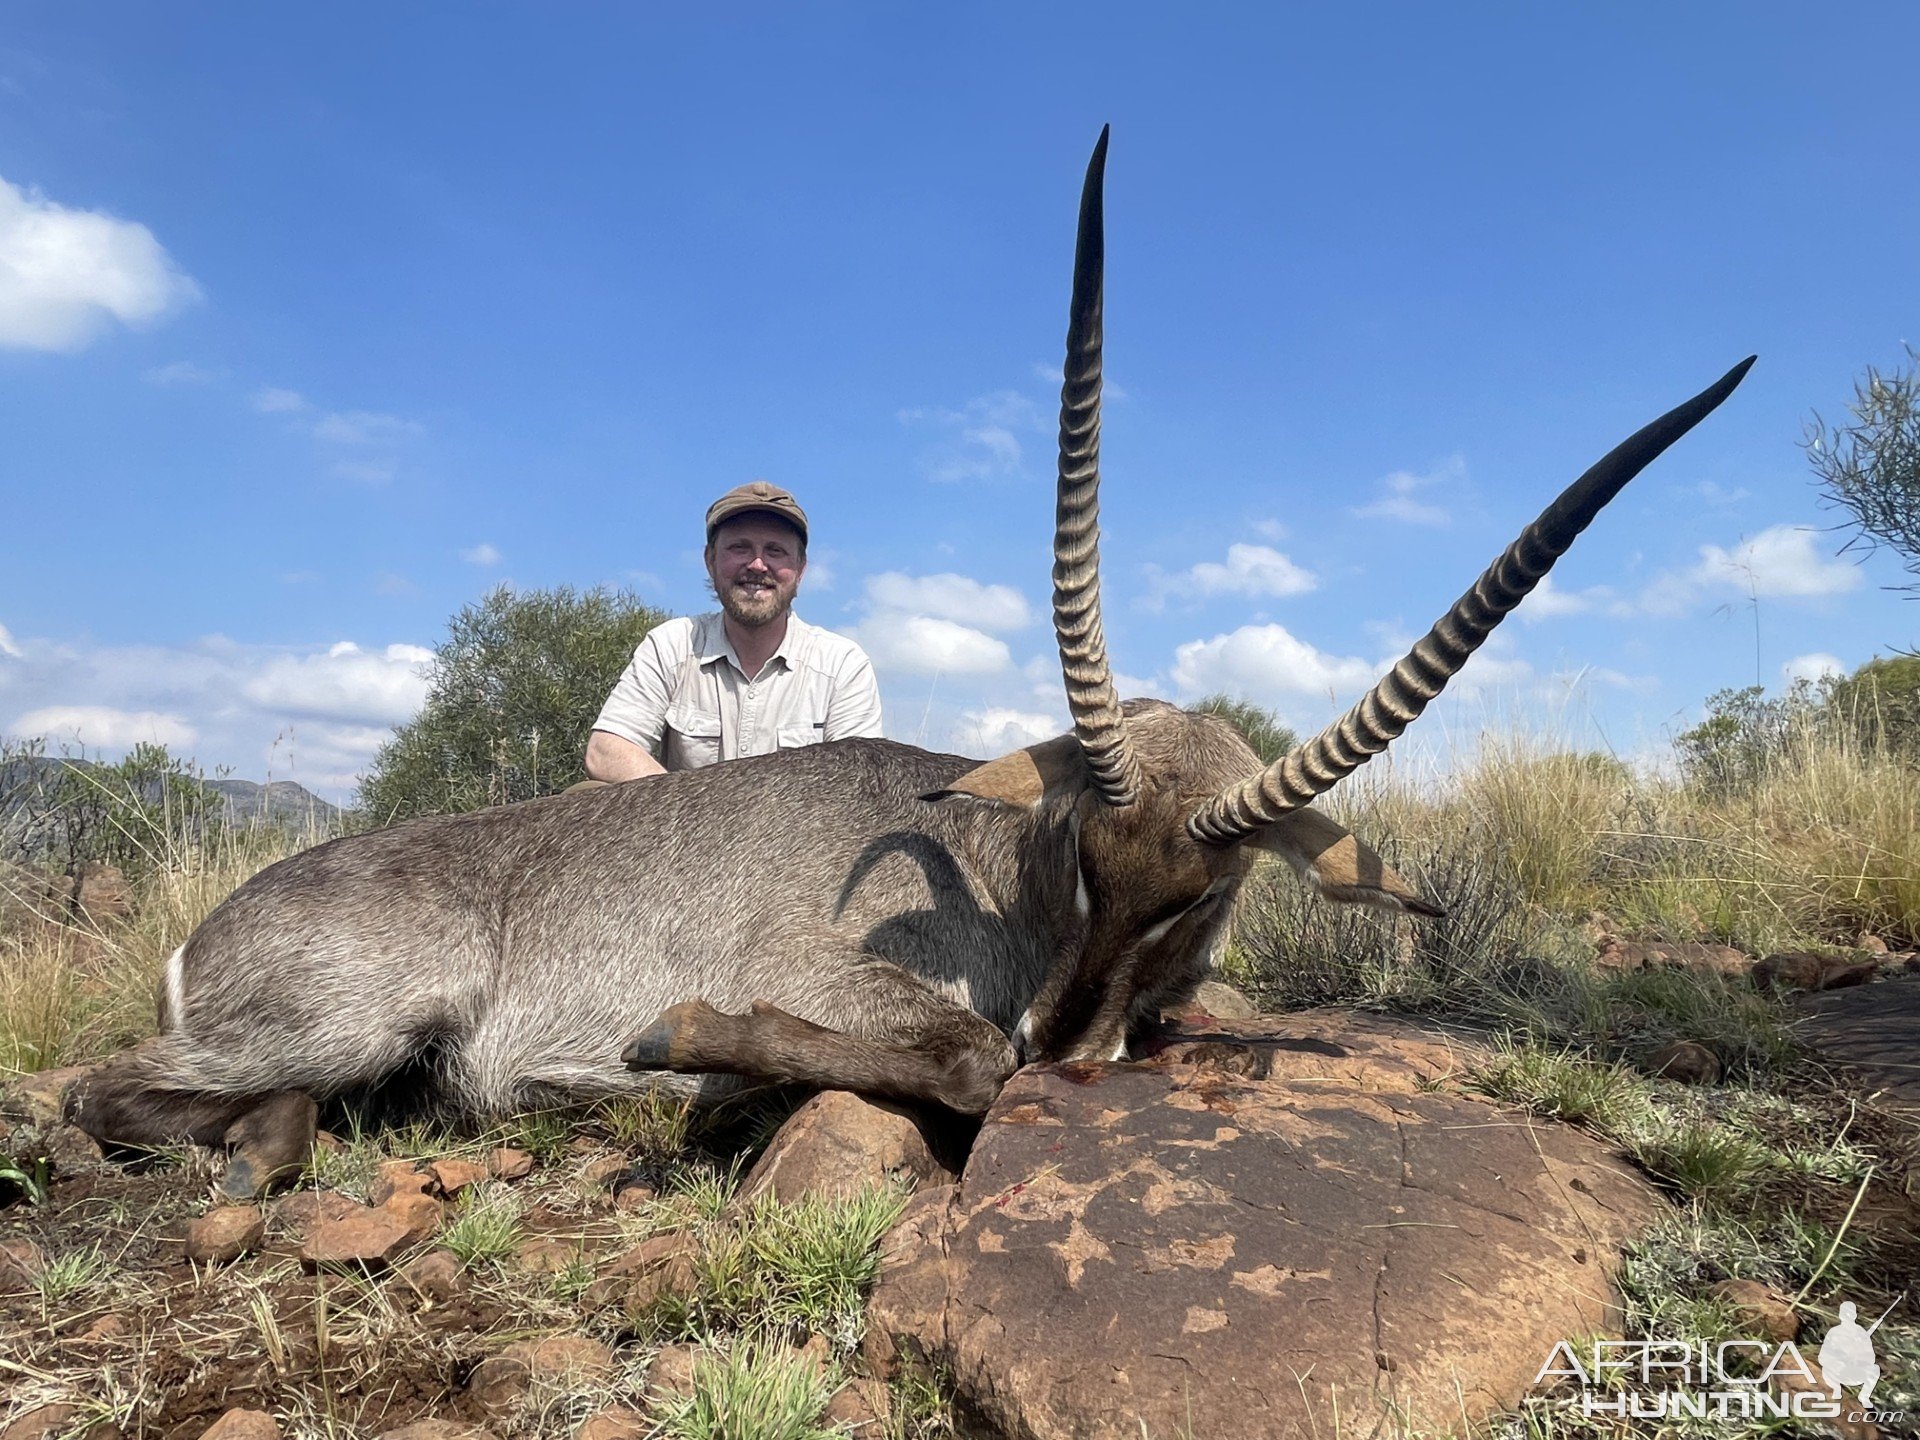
(1318, 1047)
(21, 1264)
(437, 1276)
(304, 1209)
(1873, 1033)
(328, 1141)
(399, 1177)
(38, 1095)
(860, 1407)
(1803, 970)
(629, 1198)
(509, 1164)
(454, 1175)
(1871, 944)
(238, 1424)
(43, 1422)
(839, 1144)
(1217, 999)
(421, 1214)
(1686, 1061)
(371, 1238)
(1763, 1311)
(499, 1383)
(544, 1255)
(1184, 1249)
(437, 1430)
(107, 1327)
(605, 1170)
(656, 1266)
(671, 1373)
(225, 1234)
(618, 1423)
(1618, 954)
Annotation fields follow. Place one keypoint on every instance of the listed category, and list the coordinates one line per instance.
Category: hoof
(241, 1182)
(651, 1048)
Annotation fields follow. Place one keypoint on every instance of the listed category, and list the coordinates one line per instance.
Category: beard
(753, 605)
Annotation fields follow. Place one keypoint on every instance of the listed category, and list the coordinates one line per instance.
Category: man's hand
(614, 758)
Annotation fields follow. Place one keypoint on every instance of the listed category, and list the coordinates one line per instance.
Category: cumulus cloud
(481, 554)
(7, 647)
(66, 275)
(1263, 662)
(1549, 602)
(1250, 570)
(950, 597)
(1816, 666)
(1397, 501)
(101, 727)
(980, 441)
(927, 645)
(346, 683)
(1782, 561)
(272, 400)
(996, 730)
(317, 714)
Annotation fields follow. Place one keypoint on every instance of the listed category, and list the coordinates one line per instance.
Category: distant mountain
(279, 802)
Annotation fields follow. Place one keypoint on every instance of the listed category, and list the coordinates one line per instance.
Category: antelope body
(863, 915)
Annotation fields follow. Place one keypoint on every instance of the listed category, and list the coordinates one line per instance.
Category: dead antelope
(863, 915)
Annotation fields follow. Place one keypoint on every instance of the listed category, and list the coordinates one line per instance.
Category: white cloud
(65, 275)
(346, 683)
(100, 727)
(1264, 661)
(1782, 561)
(950, 597)
(7, 647)
(926, 645)
(1548, 601)
(271, 400)
(365, 427)
(1398, 503)
(1816, 666)
(481, 554)
(997, 731)
(312, 715)
(981, 440)
(180, 372)
(1250, 570)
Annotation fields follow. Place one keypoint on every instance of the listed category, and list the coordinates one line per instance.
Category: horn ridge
(1379, 717)
(1097, 720)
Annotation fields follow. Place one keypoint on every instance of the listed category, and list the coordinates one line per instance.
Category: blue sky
(317, 322)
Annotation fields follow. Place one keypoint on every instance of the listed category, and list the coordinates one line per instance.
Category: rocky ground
(1324, 1223)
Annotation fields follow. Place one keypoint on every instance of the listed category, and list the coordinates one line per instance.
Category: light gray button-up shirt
(687, 700)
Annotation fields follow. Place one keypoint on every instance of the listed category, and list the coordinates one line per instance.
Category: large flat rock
(1874, 1032)
(1303, 1236)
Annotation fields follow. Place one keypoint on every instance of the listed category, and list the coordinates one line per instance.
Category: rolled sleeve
(854, 706)
(637, 708)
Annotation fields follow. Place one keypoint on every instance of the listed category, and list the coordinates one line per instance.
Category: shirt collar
(711, 644)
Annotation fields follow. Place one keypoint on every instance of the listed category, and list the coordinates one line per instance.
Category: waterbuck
(862, 915)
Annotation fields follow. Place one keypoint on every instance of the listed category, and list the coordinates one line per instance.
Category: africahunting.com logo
(1726, 1379)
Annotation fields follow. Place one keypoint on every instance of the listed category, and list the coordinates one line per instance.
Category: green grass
(486, 1226)
(754, 1391)
(781, 1269)
(1565, 1086)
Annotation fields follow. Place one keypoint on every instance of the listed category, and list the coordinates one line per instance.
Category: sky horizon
(315, 327)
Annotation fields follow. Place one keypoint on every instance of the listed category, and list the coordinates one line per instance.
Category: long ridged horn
(1097, 721)
(1384, 711)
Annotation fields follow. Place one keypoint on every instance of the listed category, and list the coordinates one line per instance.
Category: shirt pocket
(693, 738)
(792, 737)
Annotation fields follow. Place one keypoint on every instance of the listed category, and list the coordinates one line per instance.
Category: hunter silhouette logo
(1846, 1355)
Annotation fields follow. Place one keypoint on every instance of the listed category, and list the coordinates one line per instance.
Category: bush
(65, 812)
(516, 687)
(1260, 728)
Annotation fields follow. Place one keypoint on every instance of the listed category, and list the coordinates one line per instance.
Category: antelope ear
(1329, 859)
(1024, 778)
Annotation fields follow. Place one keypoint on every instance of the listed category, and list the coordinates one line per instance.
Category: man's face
(755, 565)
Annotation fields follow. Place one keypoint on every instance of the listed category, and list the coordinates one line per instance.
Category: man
(749, 680)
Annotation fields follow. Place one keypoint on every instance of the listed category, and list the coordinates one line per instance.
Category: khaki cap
(756, 495)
